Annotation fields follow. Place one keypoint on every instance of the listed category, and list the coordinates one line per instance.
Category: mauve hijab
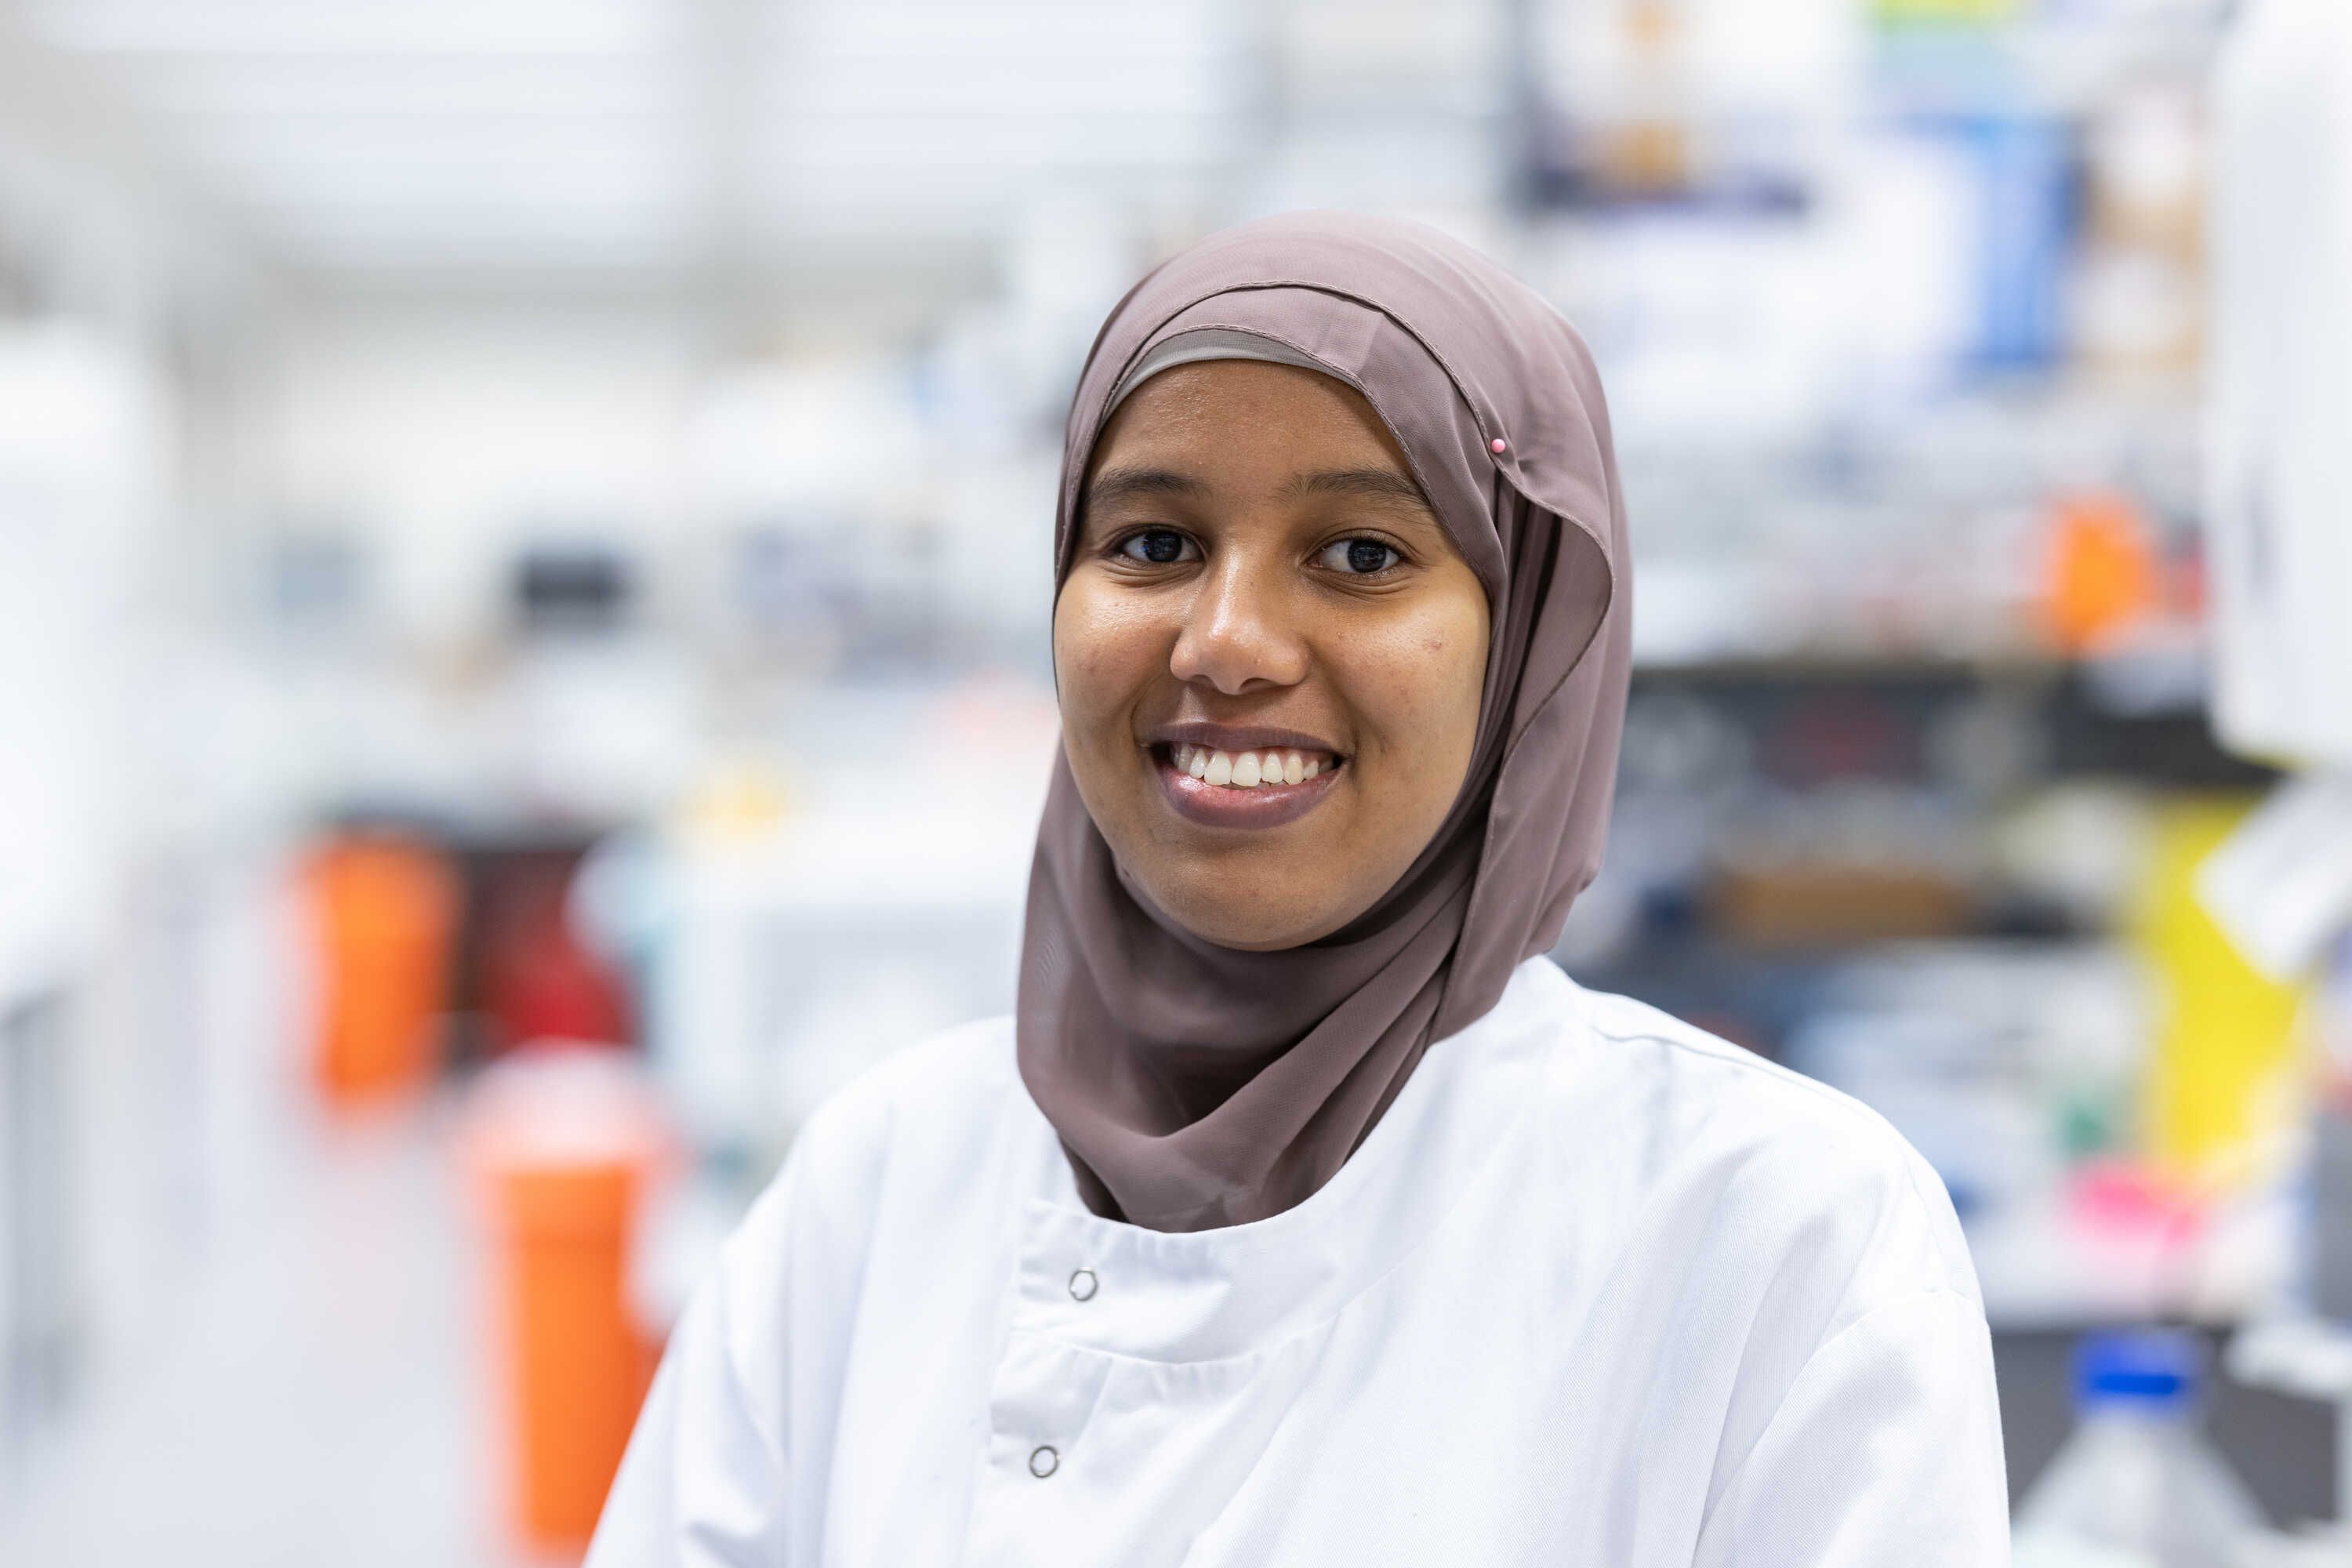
(1196, 1086)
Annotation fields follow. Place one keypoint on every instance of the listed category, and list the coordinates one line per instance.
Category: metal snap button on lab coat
(1043, 1461)
(1082, 1285)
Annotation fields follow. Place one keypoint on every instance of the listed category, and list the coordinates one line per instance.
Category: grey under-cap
(1202, 344)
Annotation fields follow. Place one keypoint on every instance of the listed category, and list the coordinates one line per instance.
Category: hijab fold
(1196, 1086)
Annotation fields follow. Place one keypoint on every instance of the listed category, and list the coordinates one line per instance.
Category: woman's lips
(1266, 803)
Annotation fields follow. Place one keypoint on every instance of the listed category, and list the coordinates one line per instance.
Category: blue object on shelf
(2149, 1366)
(2027, 165)
(2022, 168)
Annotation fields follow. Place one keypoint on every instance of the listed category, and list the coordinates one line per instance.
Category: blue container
(2150, 1367)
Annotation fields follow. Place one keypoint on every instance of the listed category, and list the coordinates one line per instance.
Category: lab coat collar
(1207, 1295)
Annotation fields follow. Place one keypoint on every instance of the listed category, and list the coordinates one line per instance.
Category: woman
(1304, 1213)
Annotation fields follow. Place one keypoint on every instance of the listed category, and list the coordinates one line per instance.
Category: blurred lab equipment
(2137, 1486)
(2278, 519)
(527, 969)
(2278, 485)
(38, 1276)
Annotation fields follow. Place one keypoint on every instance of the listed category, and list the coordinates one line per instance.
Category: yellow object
(2219, 1085)
(1980, 11)
(739, 801)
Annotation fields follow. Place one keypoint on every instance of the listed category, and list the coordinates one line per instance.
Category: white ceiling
(410, 136)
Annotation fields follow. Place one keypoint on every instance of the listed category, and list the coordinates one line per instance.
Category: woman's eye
(1361, 557)
(1157, 546)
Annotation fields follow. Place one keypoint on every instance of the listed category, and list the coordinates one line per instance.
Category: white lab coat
(1598, 1290)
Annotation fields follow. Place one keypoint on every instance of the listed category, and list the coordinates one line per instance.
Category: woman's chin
(1246, 915)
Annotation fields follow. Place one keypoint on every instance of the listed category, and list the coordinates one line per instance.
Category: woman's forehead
(1229, 414)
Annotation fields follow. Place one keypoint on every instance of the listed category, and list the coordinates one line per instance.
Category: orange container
(2105, 576)
(565, 1146)
(382, 910)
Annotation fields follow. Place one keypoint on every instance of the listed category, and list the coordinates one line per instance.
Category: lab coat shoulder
(1794, 1171)
(1820, 1295)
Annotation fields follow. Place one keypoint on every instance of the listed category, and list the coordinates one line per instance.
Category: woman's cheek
(1080, 647)
(1416, 677)
(1417, 693)
(1455, 652)
(1104, 661)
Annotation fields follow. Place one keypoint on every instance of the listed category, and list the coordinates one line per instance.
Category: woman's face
(1269, 654)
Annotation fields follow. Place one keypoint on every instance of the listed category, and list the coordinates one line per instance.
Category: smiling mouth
(1264, 786)
(1265, 768)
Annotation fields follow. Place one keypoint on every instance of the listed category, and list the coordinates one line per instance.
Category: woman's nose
(1237, 634)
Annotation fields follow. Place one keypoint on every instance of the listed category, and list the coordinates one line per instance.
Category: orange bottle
(382, 910)
(2103, 574)
(565, 1145)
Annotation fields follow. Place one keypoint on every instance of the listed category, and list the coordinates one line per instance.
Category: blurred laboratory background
(524, 579)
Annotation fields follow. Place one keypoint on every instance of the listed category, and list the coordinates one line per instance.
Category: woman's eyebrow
(1116, 485)
(1376, 484)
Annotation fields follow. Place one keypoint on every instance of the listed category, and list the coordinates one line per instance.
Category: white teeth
(1246, 770)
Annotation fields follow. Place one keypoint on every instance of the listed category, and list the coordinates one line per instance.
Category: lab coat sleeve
(703, 1484)
(1887, 1448)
